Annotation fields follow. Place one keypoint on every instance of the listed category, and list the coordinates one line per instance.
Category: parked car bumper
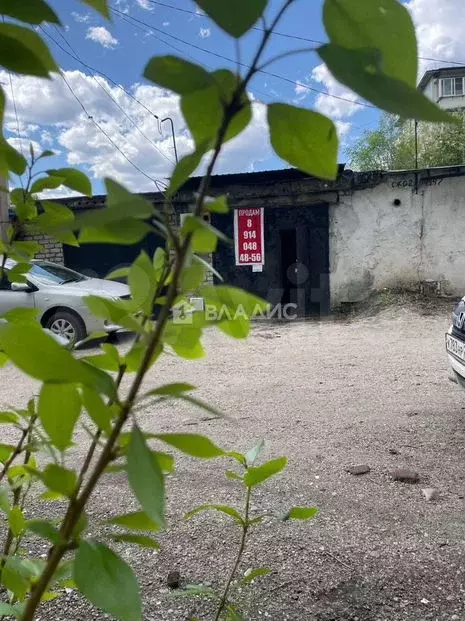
(455, 347)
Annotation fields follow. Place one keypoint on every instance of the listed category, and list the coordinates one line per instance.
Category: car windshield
(54, 274)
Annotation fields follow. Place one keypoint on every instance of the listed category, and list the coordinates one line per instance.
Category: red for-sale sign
(248, 236)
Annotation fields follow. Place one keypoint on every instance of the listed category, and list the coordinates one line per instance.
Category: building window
(452, 87)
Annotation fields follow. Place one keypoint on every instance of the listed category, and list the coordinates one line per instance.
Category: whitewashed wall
(376, 243)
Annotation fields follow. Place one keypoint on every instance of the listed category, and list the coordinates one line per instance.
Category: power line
(131, 120)
(287, 35)
(107, 136)
(151, 28)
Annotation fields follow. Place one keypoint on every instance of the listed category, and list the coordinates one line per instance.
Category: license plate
(455, 347)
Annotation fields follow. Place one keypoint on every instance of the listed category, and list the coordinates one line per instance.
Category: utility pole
(416, 144)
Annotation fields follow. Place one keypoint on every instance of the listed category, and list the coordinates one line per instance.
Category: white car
(455, 342)
(58, 293)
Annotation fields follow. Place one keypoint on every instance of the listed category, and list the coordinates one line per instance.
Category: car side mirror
(21, 286)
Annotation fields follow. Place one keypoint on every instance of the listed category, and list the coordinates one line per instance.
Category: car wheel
(68, 326)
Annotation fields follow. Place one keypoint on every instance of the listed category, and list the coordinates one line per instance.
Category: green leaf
(164, 460)
(138, 520)
(301, 513)
(233, 476)
(59, 479)
(252, 455)
(107, 581)
(24, 205)
(192, 444)
(23, 51)
(4, 500)
(40, 356)
(5, 451)
(217, 205)
(196, 590)
(121, 201)
(16, 521)
(74, 179)
(143, 283)
(177, 74)
(255, 573)
(305, 139)
(99, 5)
(236, 18)
(359, 70)
(59, 408)
(20, 250)
(228, 83)
(22, 315)
(97, 409)
(256, 475)
(185, 167)
(207, 266)
(16, 273)
(203, 112)
(9, 418)
(204, 235)
(46, 183)
(139, 540)
(170, 390)
(6, 610)
(125, 232)
(192, 277)
(122, 272)
(178, 391)
(238, 328)
(146, 477)
(226, 509)
(382, 24)
(115, 311)
(184, 339)
(29, 11)
(13, 577)
(10, 159)
(46, 153)
(44, 529)
(234, 299)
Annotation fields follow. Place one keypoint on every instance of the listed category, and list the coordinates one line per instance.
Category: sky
(101, 114)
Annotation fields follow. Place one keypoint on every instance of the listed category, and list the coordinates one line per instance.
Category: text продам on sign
(248, 236)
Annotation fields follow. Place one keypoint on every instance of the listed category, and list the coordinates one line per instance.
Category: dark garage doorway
(288, 264)
(296, 269)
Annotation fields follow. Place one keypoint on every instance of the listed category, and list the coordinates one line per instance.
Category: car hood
(96, 286)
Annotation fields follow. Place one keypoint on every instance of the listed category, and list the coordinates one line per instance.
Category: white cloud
(301, 88)
(165, 24)
(343, 129)
(439, 27)
(205, 33)
(61, 192)
(81, 18)
(145, 4)
(339, 102)
(22, 145)
(60, 122)
(99, 34)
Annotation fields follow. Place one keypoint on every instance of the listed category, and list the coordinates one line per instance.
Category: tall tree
(391, 146)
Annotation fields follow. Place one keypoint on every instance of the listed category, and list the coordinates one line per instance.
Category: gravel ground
(372, 391)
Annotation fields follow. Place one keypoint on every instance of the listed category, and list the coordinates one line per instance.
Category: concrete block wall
(52, 250)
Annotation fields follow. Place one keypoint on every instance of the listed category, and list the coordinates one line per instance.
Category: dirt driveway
(372, 391)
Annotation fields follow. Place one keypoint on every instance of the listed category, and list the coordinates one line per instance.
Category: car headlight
(458, 315)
